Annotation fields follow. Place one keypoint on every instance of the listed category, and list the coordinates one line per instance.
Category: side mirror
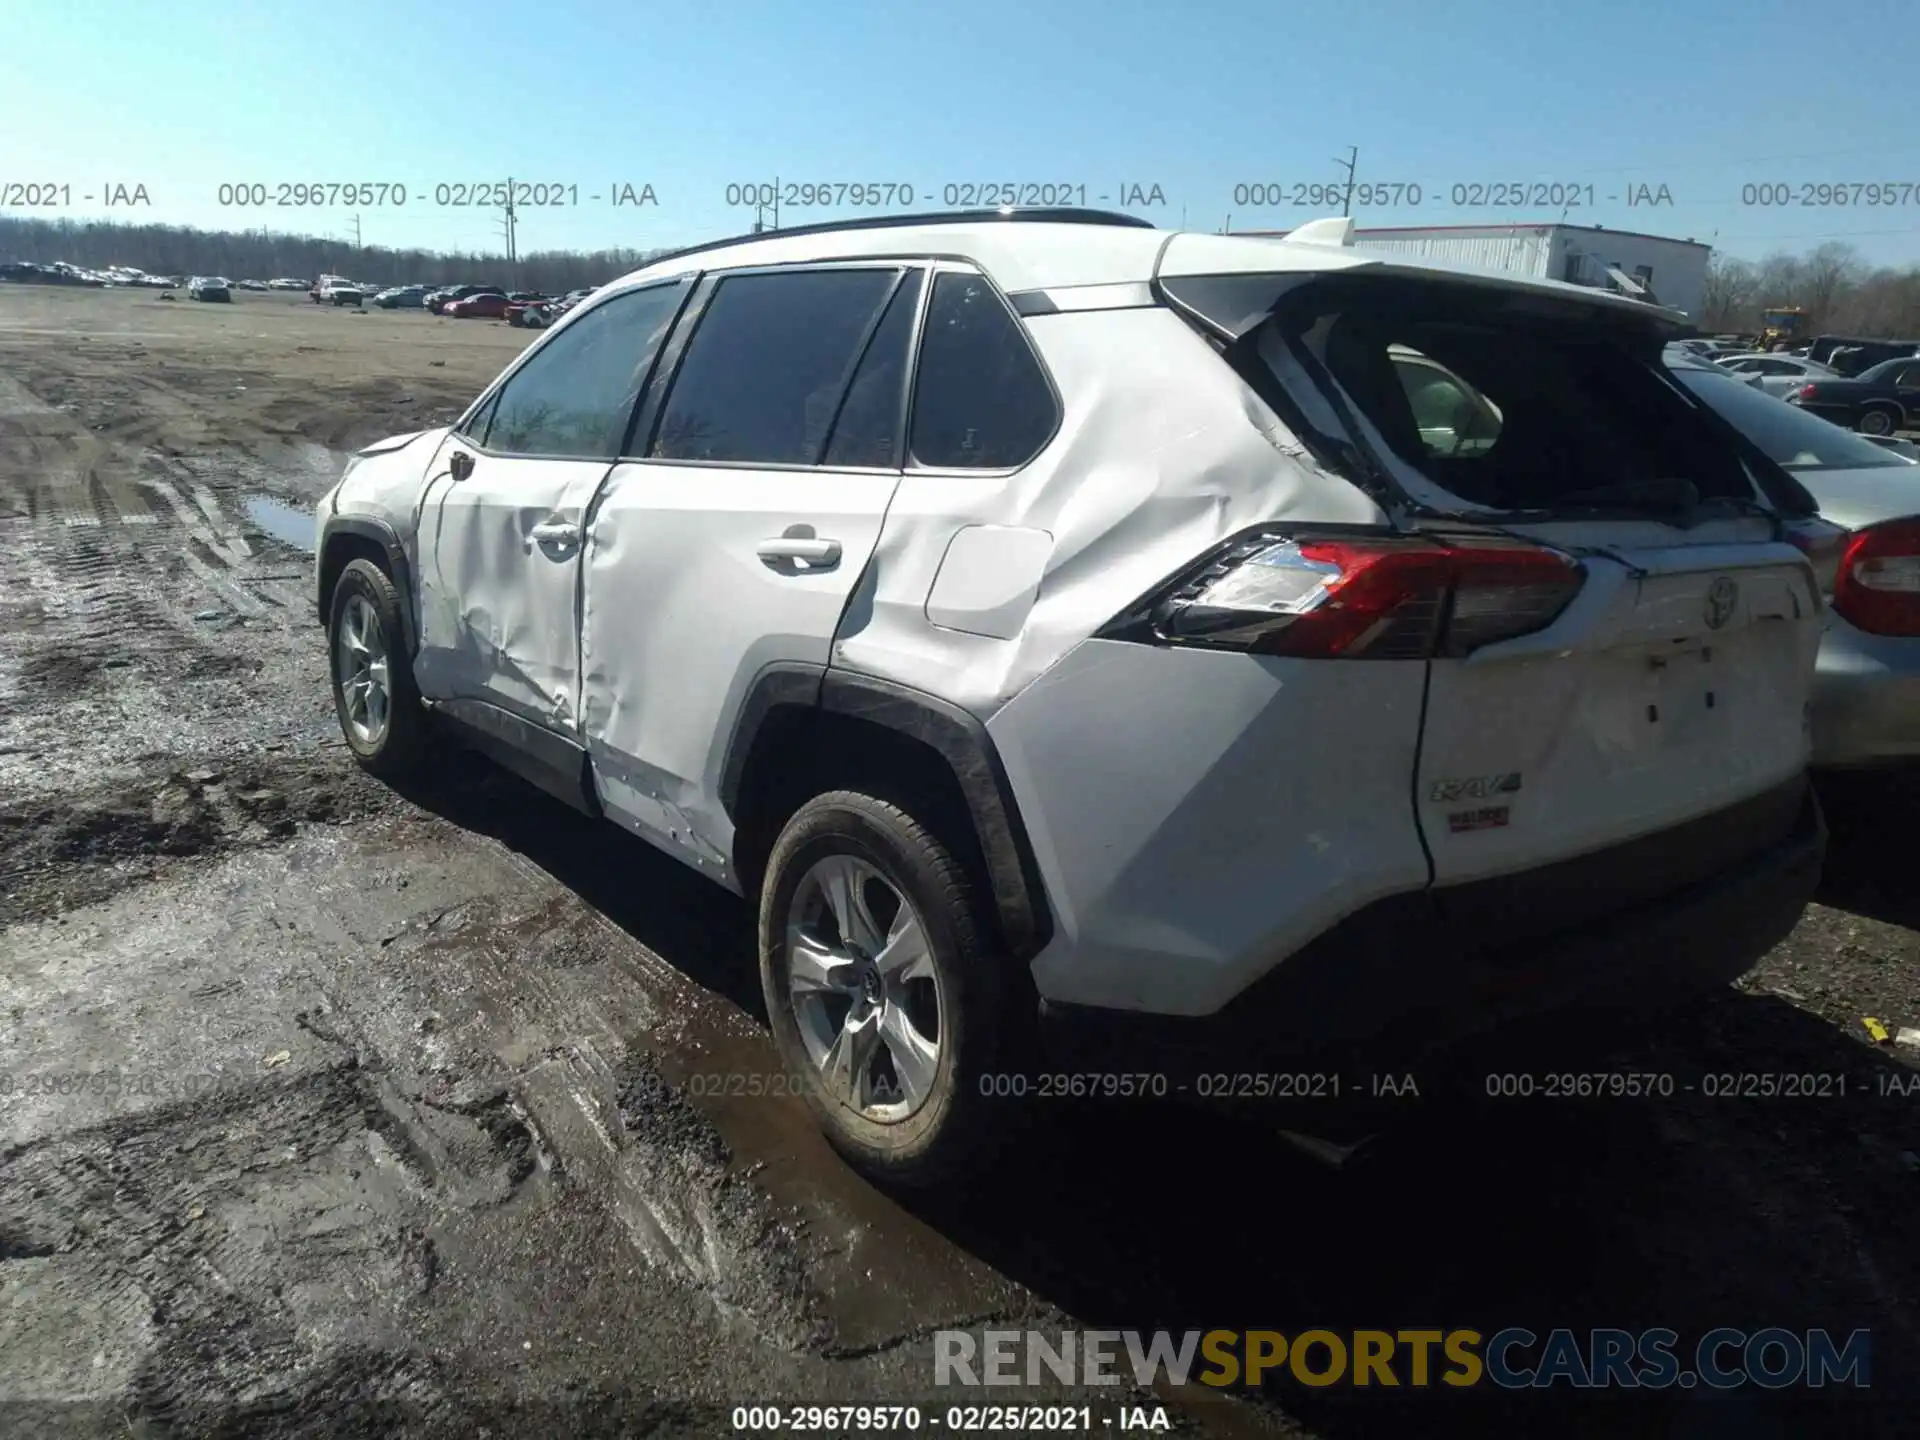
(461, 464)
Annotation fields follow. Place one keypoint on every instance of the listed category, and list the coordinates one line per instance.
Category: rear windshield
(1501, 402)
(1790, 437)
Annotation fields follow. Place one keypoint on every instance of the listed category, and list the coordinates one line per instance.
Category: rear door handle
(556, 532)
(796, 548)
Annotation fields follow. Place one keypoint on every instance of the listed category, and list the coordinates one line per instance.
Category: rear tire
(895, 1033)
(1876, 422)
(374, 697)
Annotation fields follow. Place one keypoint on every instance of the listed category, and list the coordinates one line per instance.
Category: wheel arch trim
(957, 737)
(399, 569)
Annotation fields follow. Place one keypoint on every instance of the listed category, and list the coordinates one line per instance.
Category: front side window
(763, 375)
(981, 400)
(476, 428)
(574, 396)
(1452, 418)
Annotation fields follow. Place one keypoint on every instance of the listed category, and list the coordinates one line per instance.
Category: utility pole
(760, 208)
(1352, 160)
(509, 221)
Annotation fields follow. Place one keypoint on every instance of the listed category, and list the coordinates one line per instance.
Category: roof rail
(1044, 214)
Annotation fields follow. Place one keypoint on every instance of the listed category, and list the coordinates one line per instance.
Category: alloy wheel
(864, 988)
(362, 665)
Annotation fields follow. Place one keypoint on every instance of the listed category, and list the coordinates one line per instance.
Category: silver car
(1776, 374)
(1866, 705)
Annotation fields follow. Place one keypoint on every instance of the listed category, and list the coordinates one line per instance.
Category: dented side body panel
(1162, 453)
(379, 494)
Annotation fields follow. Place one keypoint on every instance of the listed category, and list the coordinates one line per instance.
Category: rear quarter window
(981, 400)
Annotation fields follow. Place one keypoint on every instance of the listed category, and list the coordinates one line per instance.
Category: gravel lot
(332, 1110)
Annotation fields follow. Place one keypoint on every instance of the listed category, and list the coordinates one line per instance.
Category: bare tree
(1730, 295)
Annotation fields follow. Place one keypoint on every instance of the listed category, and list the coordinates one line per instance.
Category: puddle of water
(282, 521)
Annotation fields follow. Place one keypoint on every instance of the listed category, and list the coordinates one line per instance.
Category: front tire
(887, 999)
(374, 697)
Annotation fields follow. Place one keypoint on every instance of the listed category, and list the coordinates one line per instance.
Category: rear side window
(765, 371)
(1453, 418)
(573, 397)
(981, 400)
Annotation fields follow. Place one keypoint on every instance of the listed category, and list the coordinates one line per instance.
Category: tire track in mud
(148, 617)
(269, 1238)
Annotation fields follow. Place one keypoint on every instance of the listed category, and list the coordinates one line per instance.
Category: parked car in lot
(1196, 650)
(401, 297)
(286, 283)
(1866, 700)
(1878, 401)
(209, 287)
(438, 300)
(1775, 374)
(530, 309)
(483, 305)
(341, 292)
(539, 315)
(1850, 355)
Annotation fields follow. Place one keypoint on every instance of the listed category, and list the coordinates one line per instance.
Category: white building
(1673, 272)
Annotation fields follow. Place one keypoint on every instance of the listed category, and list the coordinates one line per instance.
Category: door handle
(556, 532)
(799, 548)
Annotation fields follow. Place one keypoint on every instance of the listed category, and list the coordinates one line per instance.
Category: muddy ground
(327, 1109)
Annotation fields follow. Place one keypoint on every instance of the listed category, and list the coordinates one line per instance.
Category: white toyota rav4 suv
(1188, 649)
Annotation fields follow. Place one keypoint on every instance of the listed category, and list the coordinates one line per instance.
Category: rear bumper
(1416, 975)
(1866, 698)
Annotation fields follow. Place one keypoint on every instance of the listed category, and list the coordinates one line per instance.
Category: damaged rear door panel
(776, 441)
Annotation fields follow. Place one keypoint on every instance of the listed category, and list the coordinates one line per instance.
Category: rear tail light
(1878, 589)
(1373, 598)
(1804, 392)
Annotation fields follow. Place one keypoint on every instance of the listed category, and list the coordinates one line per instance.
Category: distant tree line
(1842, 294)
(257, 255)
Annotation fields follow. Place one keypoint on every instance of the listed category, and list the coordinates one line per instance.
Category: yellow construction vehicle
(1782, 327)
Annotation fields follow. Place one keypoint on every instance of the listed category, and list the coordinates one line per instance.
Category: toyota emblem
(1722, 595)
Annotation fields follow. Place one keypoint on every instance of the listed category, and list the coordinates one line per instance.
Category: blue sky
(1703, 97)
